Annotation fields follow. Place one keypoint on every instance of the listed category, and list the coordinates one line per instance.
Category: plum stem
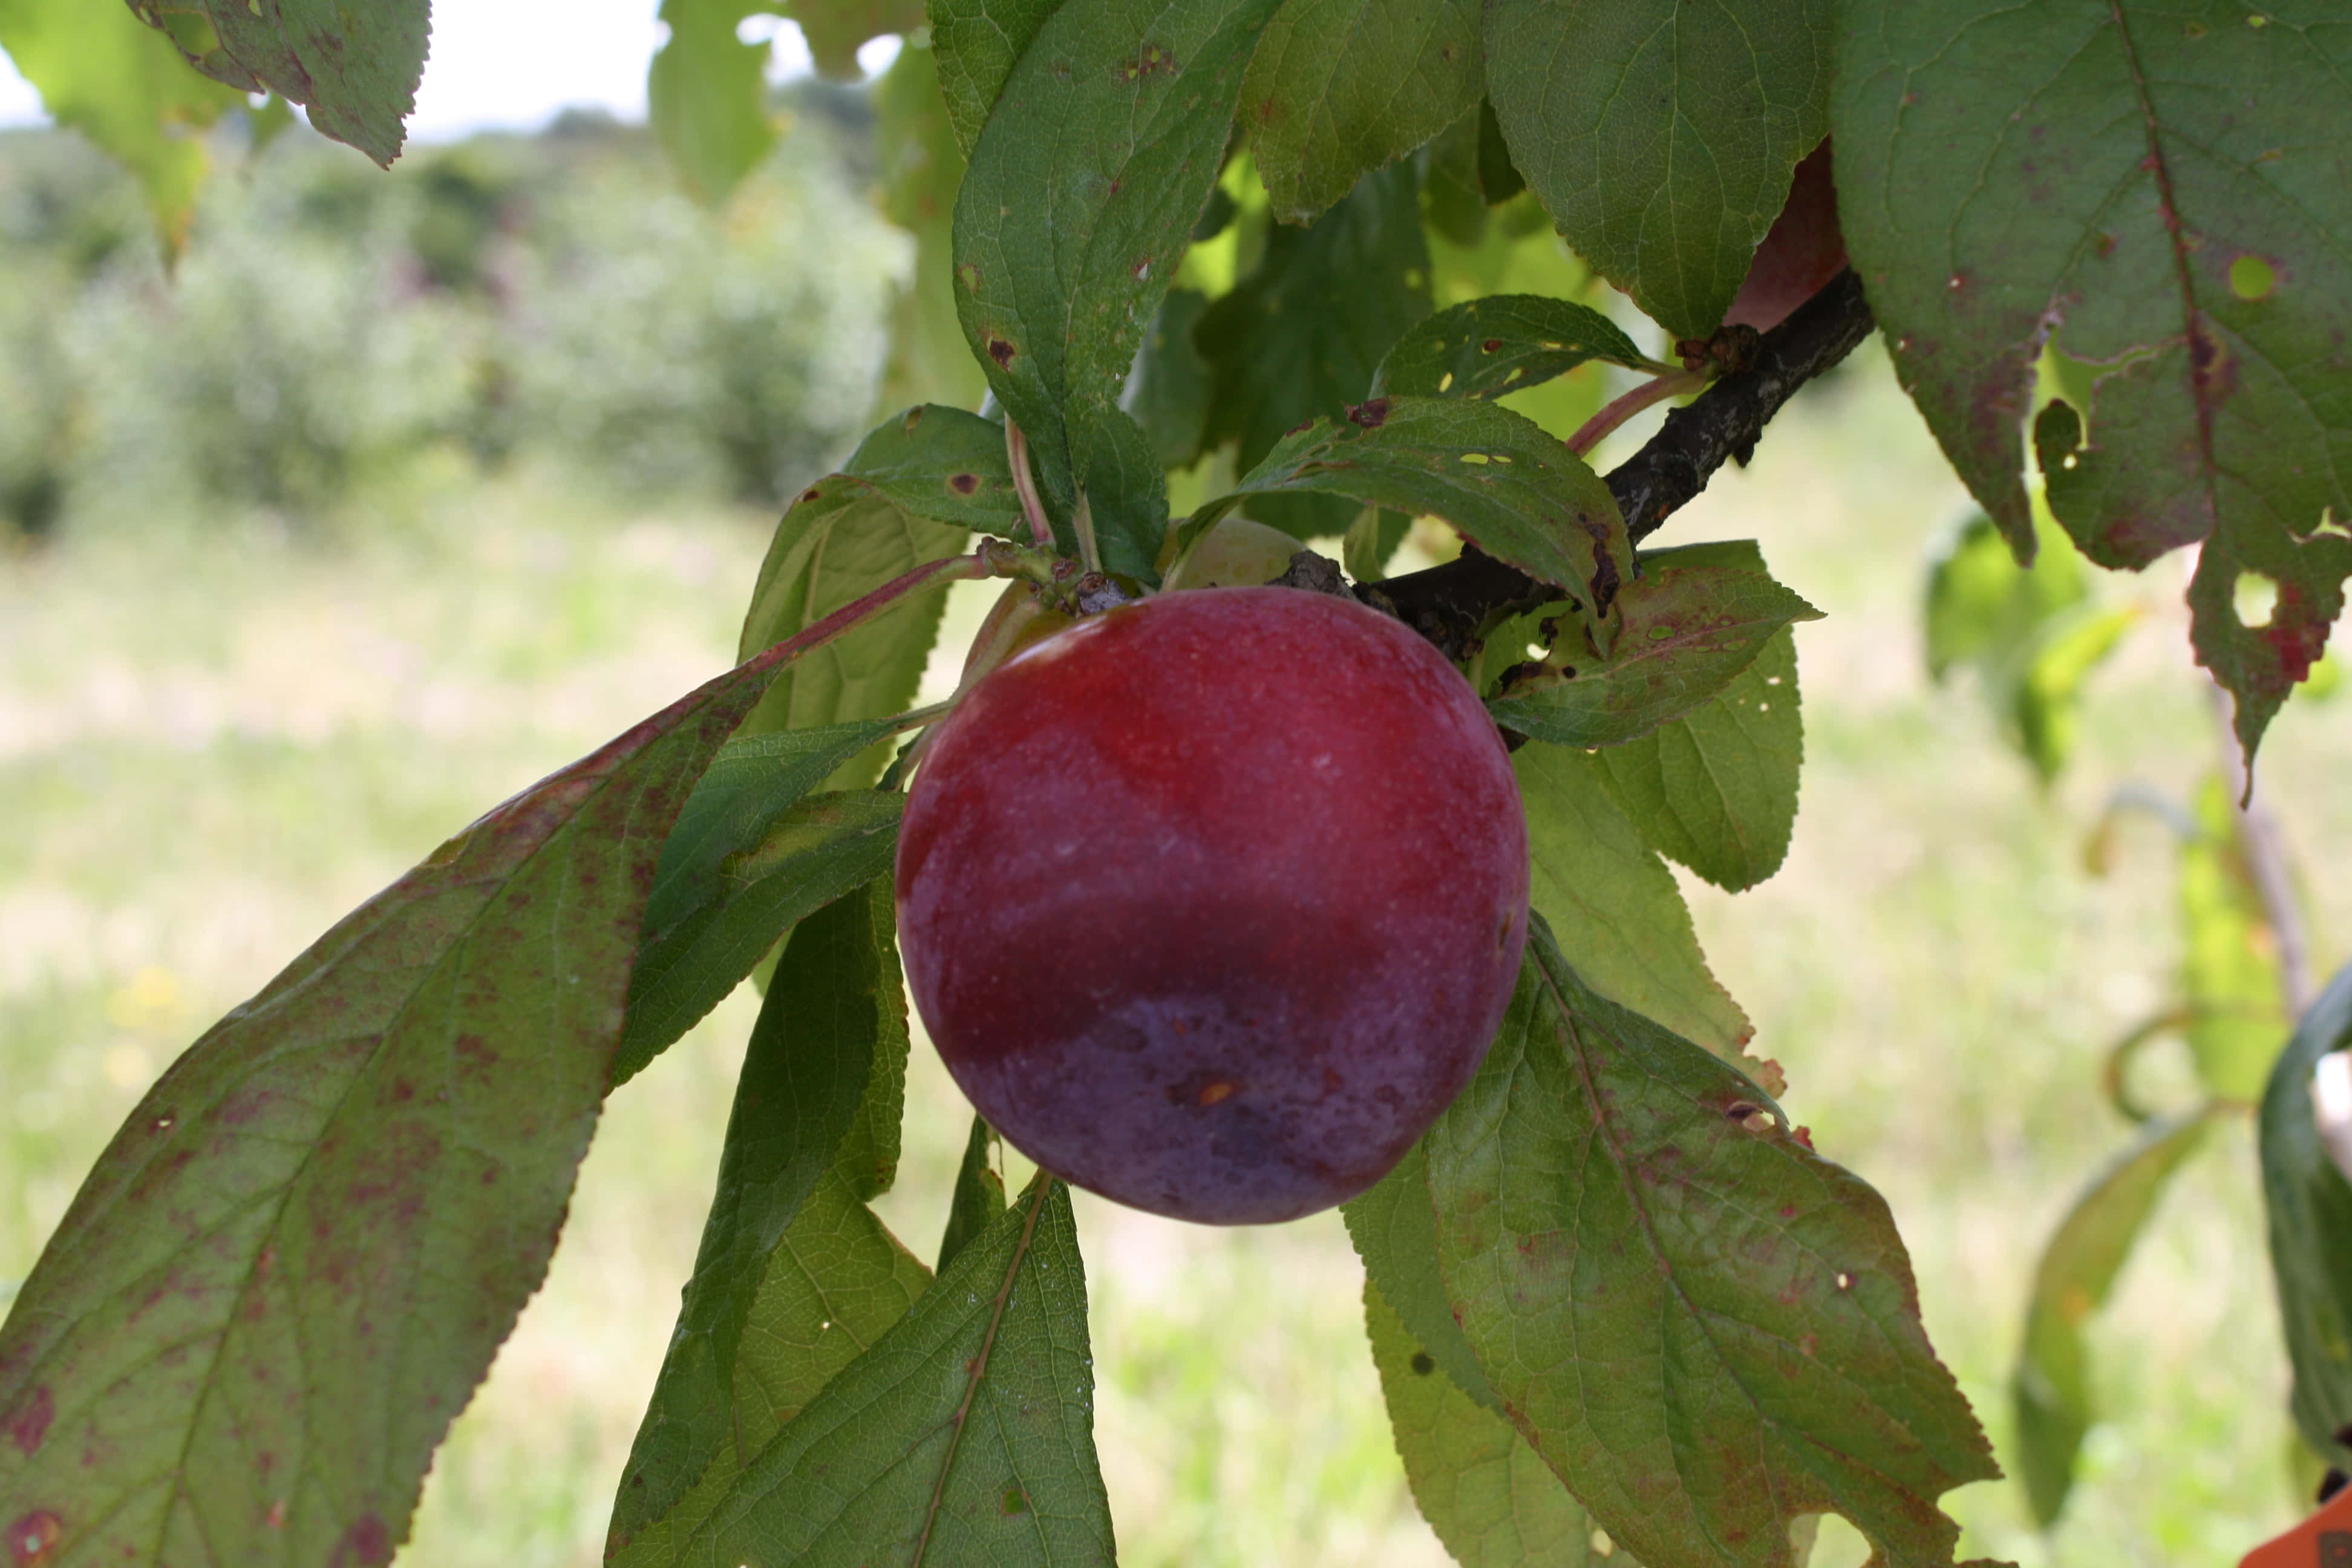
(1656, 390)
(1024, 485)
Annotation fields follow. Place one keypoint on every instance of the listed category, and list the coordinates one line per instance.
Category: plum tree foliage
(1235, 275)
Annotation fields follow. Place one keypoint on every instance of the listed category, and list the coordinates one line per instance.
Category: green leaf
(869, 1158)
(921, 168)
(812, 1060)
(1366, 549)
(1986, 610)
(1169, 392)
(1502, 343)
(2229, 962)
(354, 67)
(901, 500)
(1687, 632)
(1717, 789)
(2032, 632)
(124, 86)
(1706, 1330)
(707, 95)
(291, 1266)
(1661, 137)
(1454, 201)
(1394, 1226)
(977, 42)
(1081, 197)
(979, 1198)
(779, 873)
(837, 30)
(1341, 87)
(2051, 1385)
(2310, 1207)
(1513, 490)
(835, 1284)
(964, 1436)
(1613, 904)
(1300, 337)
(1485, 1492)
(2182, 235)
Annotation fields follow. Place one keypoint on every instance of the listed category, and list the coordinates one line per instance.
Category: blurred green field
(213, 742)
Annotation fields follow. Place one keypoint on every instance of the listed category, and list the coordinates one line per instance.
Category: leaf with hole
(1518, 494)
(1707, 1330)
(965, 1435)
(1394, 1227)
(1502, 343)
(353, 67)
(336, 1202)
(1990, 203)
(1687, 633)
(1484, 1490)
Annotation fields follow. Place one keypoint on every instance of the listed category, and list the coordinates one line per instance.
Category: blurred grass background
(274, 621)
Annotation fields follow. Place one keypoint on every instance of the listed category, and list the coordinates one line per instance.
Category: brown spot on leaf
(30, 1537)
(963, 484)
(28, 1423)
(811, 493)
(1001, 353)
(1372, 413)
(366, 1545)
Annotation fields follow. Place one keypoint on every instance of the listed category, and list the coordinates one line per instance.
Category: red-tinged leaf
(1705, 1329)
(292, 1265)
(2167, 196)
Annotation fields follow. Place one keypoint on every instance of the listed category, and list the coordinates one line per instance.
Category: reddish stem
(1656, 390)
(981, 563)
(1024, 485)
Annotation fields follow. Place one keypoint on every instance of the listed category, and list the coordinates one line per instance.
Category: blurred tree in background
(553, 299)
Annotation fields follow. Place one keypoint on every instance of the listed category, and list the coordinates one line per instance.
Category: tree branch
(1449, 604)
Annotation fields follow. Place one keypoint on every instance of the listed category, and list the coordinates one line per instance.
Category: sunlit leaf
(1341, 87)
(1170, 391)
(1613, 906)
(124, 86)
(837, 30)
(292, 1265)
(2005, 173)
(2310, 1204)
(965, 1435)
(2229, 961)
(707, 95)
(1661, 137)
(1705, 1329)
(1484, 1490)
(2051, 1385)
(1502, 343)
(813, 1057)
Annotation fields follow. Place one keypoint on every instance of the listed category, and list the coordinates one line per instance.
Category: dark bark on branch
(1449, 604)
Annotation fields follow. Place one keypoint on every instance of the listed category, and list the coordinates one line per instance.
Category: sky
(500, 64)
